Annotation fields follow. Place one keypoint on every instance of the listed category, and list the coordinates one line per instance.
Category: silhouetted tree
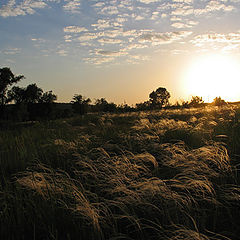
(16, 94)
(218, 101)
(80, 104)
(143, 106)
(184, 104)
(7, 79)
(196, 101)
(33, 93)
(159, 98)
(20, 109)
(48, 97)
(125, 108)
(102, 105)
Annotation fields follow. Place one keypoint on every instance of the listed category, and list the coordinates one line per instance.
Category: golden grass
(130, 181)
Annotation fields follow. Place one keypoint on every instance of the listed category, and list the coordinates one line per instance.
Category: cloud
(230, 38)
(37, 40)
(99, 60)
(11, 9)
(68, 38)
(181, 25)
(183, 1)
(186, 7)
(164, 38)
(138, 18)
(106, 30)
(213, 6)
(109, 10)
(74, 29)
(109, 41)
(111, 53)
(149, 1)
(62, 53)
(216, 41)
(136, 59)
(88, 37)
(72, 6)
(189, 24)
(11, 51)
(102, 24)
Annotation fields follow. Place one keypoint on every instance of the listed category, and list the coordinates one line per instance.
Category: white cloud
(62, 53)
(11, 51)
(187, 24)
(138, 18)
(102, 24)
(149, 1)
(72, 6)
(109, 10)
(109, 41)
(216, 41)
(230, 38)
(11, 9)
(213, 6)
(74, 29)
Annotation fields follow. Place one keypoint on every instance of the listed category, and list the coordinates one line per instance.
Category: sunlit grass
(170, 174)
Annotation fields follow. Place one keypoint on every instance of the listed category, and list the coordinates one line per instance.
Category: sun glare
(213, 76)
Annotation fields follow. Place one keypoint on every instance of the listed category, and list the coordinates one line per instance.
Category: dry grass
(126, 176)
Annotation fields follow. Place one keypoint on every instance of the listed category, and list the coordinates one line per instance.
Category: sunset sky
(124, 49)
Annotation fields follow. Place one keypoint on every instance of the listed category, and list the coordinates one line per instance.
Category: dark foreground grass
(172, 174)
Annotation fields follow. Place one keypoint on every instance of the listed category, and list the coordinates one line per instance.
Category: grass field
(170, 174)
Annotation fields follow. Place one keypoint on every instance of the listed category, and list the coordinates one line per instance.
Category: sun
(213, 76)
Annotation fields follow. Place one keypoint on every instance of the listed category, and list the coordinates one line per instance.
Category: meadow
(170, 174)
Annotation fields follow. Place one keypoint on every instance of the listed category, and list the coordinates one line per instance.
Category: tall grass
(172, 174)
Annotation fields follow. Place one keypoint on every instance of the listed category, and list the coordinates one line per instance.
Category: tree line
(32, 103)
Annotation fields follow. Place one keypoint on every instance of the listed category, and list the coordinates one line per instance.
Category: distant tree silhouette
(33, 93)
(159, 98)
(7, 78)
(32, 102)
(143, 106)
(185, 104)
(16, 94)
(80, 104)
(125, 108)
(196, 101)
(218, 101)
(48, 97)
(102, 105)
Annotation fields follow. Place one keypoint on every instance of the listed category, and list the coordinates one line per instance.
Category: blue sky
(121, 50)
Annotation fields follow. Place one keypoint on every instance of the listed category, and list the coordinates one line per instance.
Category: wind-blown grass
(172, 174)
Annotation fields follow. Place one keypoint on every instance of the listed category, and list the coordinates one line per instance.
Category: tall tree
(7, 78)
(16, 94)
(48, 97)
(80, 104)
(33, 93)
(159, 98)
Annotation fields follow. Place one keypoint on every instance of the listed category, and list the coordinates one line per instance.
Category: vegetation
(169, 174)
(218, 101)
(159, 98)
(104, 171)
(7, 79)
